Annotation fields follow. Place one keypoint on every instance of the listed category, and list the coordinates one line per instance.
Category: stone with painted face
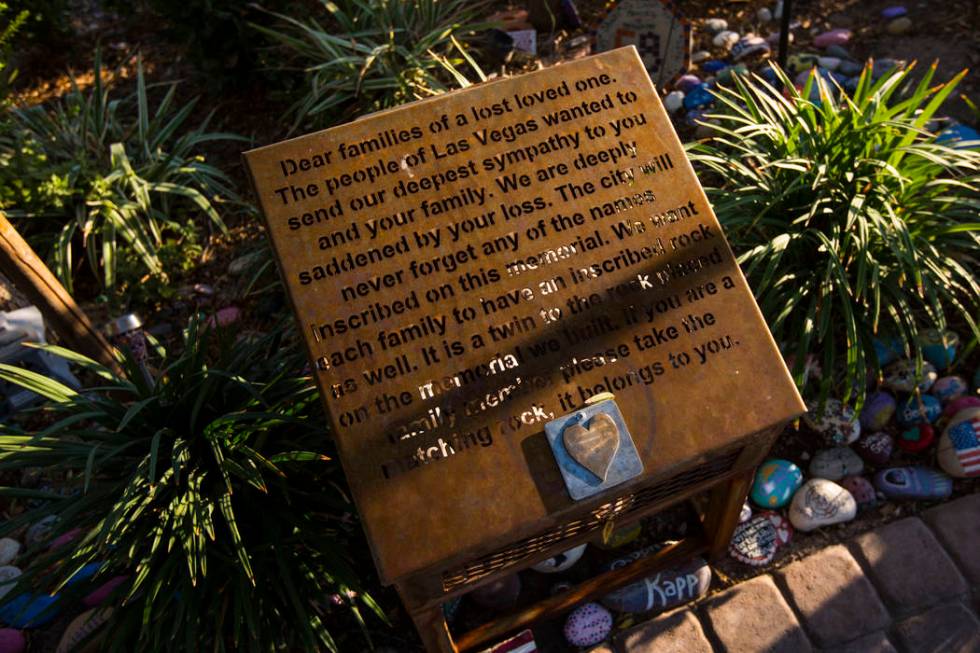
(902, 377)
(775, 482)
(820, 502)
(834, 422)
(835, 463)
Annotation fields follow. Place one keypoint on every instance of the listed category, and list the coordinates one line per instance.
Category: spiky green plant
(850, 220)
(110, 172)
(210, 488)
(377, 54)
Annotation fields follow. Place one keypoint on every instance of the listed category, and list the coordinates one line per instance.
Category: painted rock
(961, 404)
(832, 37)
(88, 571)
(959, 446)
(775, 482)
(887, 350)
(699, 56)
(835, 463)
(749, 45)
(746, 513)
(899, 26)
(882, 66)
(560, 562)
(619, 536)
(8, 578)
(835, 422)
(875, 448)
(715, 25)
(225, 316)
(587, 625)
(895, 11)
(725, 74)
(40, 531)
(81, 629)
(878, 410)
(686, 82)
(64, 538)
(498, 594)
(522, 642)
(902, 377)
(830, 63)
(916, 438)
(698, 97)
(914, 482)
(948, 388)
(30, 610)
(861, 489)
(12, 641)
(674, 101)
(764, 14)
(892, 345)
(938, 347)
(665, 590)
(852, 69)
(922, 409)
(9, 548)
(754, 542)
(821, 503)
(725, 39)
(713, 66)
(784, 529)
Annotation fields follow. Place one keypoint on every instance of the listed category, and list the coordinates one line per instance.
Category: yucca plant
(375, 54)
(210, 488)
(111, 172)
(850, 221)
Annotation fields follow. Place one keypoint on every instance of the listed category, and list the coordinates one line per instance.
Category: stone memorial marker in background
(661, 36)
(468, 268)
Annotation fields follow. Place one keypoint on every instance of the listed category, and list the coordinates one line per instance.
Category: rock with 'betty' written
(663, 590)
(820, 502)
(878, 410)
(875, 448)
(835, 463)
(833, 421)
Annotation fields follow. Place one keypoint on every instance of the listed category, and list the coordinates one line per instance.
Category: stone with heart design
(875, 448)
(594, 447)
(784, 529)
(820, 502)
(916, 438)
(754, 542)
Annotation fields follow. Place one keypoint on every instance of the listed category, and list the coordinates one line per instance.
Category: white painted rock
(820, 502)
(560, 562)
(700, 55)
(715, 25)
(8, 575)
(725, 39)
(746, 513)
(835, 463)
(836, 423)
(9, 548)
(674, 101)
(587, 625)
(959, 447)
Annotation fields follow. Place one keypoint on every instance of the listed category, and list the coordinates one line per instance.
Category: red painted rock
(916, 438)
(875, 448)
(861, 489)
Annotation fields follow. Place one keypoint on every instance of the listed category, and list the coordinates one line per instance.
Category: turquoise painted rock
(887, 350)
(775, 482)
(878, 410)
(938, 347)
(587, 625)
(875, 448)
(661, 591)
(948, 388)
(921, 409)
(833, 421)
(902, 377)
(835, 463)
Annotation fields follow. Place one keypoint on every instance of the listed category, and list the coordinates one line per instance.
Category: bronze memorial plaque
(468, 268)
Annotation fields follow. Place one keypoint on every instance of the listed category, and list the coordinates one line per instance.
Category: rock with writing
(919, 409)
(833, 421)
(832, 37)
(949, 388)
(748, 46)
(12, 641)
(878, 410)
(835, 463)
(861, 489)
(9, 548)
(875, 448)
(560, 562)
(775, 482)
(915, 482)
(961, 404)
(663, 590)
(498, 594)
(958, 451)
(820, 502)
(903, 377)
(916, 438)
(784, 529)
(754, 542)
(587, 625)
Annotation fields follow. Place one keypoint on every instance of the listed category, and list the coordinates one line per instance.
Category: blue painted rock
(81, 629)
(948, 388)
(784, 529)
(835, 463)
(958, 136)
(938, 347)
(895, 11)
(916, 438)
(820, 502)
(662, 591)
(619, 536)
(499, 594)
(902, 377)
(861, 489)
(834, 422)
(922, 409)
(852, 69)
(960, 404)
(30, 610)
(713, 66)
(875, 448)
(841, 52)
(587, 625)
(754, 542)
(832, 37)
(12, 641)
(87, 571)
(8, 579)
(560, 562)
(686, 82)
(959, 446)
(775, 482)
(914, 482)
(749, 45)
(698, 97)
(9, 548)
(746, 513)
(878, 410)
(40, 531)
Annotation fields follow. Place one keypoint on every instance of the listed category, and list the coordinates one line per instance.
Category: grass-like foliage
(209, 488)
(375, 54)
(108, 172)
(850, 220)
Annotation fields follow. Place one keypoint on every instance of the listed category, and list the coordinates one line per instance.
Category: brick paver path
(910, 586)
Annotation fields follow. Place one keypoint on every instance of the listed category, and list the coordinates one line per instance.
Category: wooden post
(33, 278)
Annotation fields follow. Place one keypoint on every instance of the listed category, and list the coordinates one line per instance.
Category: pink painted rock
(962, 403)
(861, 489)
(588, 625)
(784, 529)
(225, 316)
(875, 448)
(832, 37)
(64, 538)
(12, 641)
(101, 593)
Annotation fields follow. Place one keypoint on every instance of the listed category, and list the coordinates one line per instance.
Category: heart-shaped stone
(595, 447)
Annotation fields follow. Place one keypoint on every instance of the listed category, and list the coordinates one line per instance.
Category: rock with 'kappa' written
(663, 590)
